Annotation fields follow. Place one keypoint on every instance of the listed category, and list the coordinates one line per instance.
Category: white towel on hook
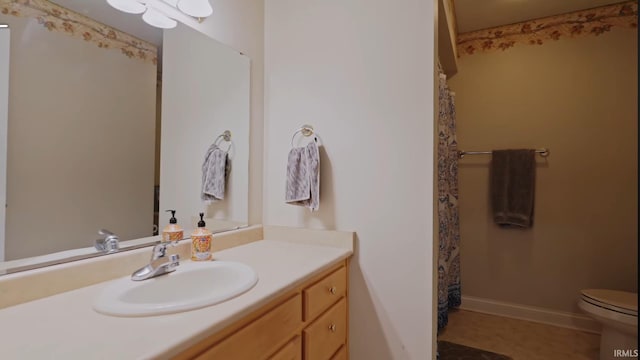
(303, 176)
(215, 170)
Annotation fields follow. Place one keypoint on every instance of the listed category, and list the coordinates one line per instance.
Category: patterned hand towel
(303, 177)
(214, 173)
(513, 178)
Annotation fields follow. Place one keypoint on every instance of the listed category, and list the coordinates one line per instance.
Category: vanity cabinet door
(327, 333)
(341, 354)
(291, 351)
(326, 292)
(261, 337)
(278, 332)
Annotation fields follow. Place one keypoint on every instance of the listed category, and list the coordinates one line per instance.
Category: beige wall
(81, 142)
(240, 25)
(577, 97)
(389, 318)
(361, 73)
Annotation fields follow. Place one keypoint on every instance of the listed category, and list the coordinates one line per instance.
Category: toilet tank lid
(623, 299)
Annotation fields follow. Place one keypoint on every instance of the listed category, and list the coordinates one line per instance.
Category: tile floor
(519, 339)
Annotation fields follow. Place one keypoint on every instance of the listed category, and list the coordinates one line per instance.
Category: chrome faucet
(110, 242)
(160, 263)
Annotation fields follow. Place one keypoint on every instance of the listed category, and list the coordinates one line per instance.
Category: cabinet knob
(332, 327)
(333, 290)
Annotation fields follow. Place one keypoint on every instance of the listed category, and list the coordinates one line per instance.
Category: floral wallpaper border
(596, 21)
(57, 18)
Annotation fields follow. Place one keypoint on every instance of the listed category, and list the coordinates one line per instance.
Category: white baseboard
(530, 313)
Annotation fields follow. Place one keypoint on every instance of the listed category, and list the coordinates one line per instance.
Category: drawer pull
(333, 290)
(332, 327)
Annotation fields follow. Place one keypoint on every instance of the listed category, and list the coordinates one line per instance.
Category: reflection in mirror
(4, 99)
(205, 93)
(84, 120)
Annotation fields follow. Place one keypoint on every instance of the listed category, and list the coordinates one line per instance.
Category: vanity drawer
(319, 296)
(341, 354)
(291, 351)
(325, 336)
(261, 337)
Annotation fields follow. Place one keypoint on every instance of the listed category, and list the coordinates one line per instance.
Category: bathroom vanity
(309, 322)
(298, 309)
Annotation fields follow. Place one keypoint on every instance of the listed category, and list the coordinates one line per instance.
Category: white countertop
(65, 326)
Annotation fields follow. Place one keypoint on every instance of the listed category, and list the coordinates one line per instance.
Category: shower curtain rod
(543, 152)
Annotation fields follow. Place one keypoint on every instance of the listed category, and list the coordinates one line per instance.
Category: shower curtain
(448, 219)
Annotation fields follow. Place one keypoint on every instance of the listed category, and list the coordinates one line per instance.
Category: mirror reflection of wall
(80, 144)
(84, 145)
(5, 36)
(206, 85)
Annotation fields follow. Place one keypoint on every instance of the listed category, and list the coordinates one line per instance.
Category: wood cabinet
(291, 351)
(260, 336)
(319, 296)
(341, 354)
(307, 323)
(326, 334)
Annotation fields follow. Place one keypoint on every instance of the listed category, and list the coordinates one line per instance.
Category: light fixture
(164, 13)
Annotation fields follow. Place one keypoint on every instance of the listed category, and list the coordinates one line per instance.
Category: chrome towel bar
(543, 152)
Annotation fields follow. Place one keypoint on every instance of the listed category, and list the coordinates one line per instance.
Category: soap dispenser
(172, 232)
(201, 239)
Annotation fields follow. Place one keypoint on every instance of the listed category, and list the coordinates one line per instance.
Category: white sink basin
(193, 285)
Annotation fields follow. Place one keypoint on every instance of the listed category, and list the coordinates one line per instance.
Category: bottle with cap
(201, 239)
(172, 232)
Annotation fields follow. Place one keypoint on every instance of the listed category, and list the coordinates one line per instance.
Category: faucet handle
(105, 232)
(160, 251)
(109, 244)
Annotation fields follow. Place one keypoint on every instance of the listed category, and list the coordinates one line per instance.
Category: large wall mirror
(102, 132)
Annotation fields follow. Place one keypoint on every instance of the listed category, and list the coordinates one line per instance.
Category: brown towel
(513, 177)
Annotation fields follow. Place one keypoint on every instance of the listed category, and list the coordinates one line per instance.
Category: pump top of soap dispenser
(173, 219)
(172, 232)
(201, 230)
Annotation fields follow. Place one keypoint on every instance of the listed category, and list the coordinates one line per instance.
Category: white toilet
(617, 311)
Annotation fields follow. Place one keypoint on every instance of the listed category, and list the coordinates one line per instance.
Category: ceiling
(474, 15)
(102, 12)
